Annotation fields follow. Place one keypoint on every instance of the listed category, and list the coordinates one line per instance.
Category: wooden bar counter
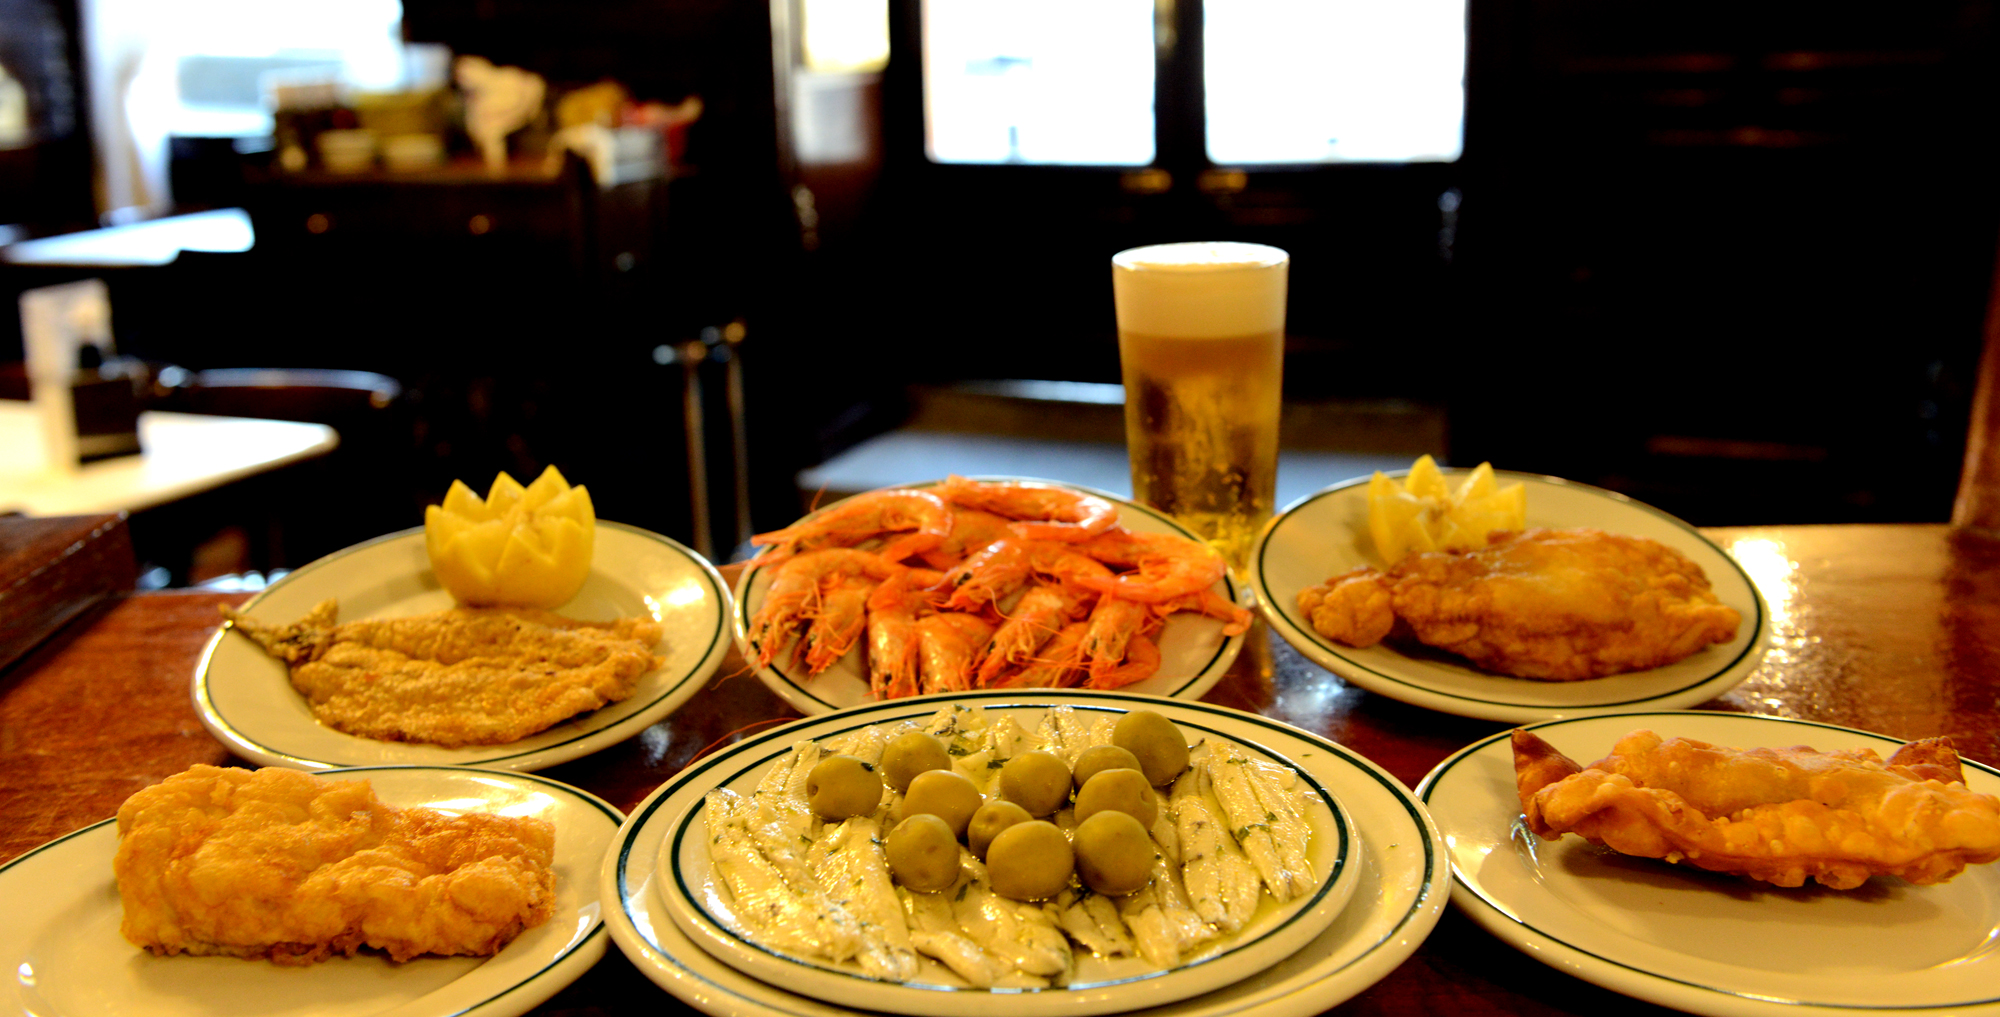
(1889, 628)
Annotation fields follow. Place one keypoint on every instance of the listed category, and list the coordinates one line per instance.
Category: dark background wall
(1731, 258)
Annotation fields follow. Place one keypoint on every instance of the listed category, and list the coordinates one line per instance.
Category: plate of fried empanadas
(1731, 864)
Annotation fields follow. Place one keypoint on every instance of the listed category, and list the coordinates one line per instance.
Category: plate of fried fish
(1733, 865)
(1596, 603)
(417, 891)
(989, 582)
(364, 657)
(1277, 861)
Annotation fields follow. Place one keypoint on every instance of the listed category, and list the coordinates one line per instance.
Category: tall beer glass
(1201, 342)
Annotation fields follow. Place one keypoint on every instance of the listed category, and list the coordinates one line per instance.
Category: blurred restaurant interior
(719, 258)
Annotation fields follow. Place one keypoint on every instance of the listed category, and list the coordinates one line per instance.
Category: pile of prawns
(980, 584)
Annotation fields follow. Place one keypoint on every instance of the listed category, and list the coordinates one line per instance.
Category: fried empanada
(1777, 815)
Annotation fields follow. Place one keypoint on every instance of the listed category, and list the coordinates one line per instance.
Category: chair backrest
(314, 395)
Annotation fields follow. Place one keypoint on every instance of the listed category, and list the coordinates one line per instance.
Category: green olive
(1037, 781)
(1114, 854)
(911, 754)
(1161, 749)
(992, 817)
(1120, 790)
(843, 786)
(922, 853)
(946, 794)
(1102, 757)
(1030, 861)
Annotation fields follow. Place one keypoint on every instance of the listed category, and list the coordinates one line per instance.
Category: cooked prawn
(864, 517)
(843, 611)
(949, 643)
(1042, 513)
(1142, 661)
(894, 657)
(1007, 565)
(796, 591)
(1042, 612)
(1167, 566)
(1235, 617)
(971, 531)
(1112, 625)
(1058, 664)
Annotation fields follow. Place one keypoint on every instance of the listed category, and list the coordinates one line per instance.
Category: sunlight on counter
(1771, 567)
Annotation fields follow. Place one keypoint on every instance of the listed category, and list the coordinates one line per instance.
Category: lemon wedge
(1422, 513)
(518, 546)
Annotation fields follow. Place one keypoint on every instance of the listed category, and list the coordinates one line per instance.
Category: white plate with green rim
(1194, 654)
(1326, 533)
(244, 696)
(64, 954)
(1704, 942)
(1395, 899)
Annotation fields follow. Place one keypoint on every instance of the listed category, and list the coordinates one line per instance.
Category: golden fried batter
(1558, 605)
(275, 863)
(1777, 815)
(467, 676)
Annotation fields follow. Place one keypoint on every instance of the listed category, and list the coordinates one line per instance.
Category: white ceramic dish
(1703, 942)
(1194, 654)
(1326, 533)
(1394, 904)
(702, 908)
(245, 697)
(63, 953)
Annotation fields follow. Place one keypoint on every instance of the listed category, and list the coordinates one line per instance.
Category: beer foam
(1214, 290)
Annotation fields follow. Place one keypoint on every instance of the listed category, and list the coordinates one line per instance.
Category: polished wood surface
(53, 569)
(1893, 629)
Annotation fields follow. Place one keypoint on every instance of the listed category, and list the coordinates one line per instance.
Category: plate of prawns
(985, 583)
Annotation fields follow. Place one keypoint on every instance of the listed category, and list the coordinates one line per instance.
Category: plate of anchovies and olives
(1062, 852)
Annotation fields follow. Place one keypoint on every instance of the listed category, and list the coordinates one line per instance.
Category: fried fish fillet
(275, 863)
(467, 676)
(1777, 815)
(1558, 605)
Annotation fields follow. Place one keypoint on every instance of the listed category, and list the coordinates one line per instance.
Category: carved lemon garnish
(518, 546)
(1423, 514)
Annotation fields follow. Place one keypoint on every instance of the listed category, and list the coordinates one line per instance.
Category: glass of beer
(1201, 343)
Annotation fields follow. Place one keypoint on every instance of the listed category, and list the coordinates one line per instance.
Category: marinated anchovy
(1249, 822)
(1018, 932)
(1065, 733)
(781, 821)
(934, 931)
(1166, 928)
(866, 744)
(798, 919)
(1274, 786)
(1092, 920)
(1167, 837)
(1222, 885)
(849, 863)
(944, 724)
(986, 750)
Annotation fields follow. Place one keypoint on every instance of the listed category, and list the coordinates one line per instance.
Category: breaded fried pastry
(1777, 815)
(1558, 605)
(275, 863)
(467, 676)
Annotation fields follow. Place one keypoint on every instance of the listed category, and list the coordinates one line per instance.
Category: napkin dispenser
(87, 400)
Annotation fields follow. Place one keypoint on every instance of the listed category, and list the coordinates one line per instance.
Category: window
(1364, 80)
(1054, 82)
(1072, 82)
(199, 67)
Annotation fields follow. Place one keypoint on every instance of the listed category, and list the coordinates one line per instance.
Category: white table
(154, 242)
(185, 454)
